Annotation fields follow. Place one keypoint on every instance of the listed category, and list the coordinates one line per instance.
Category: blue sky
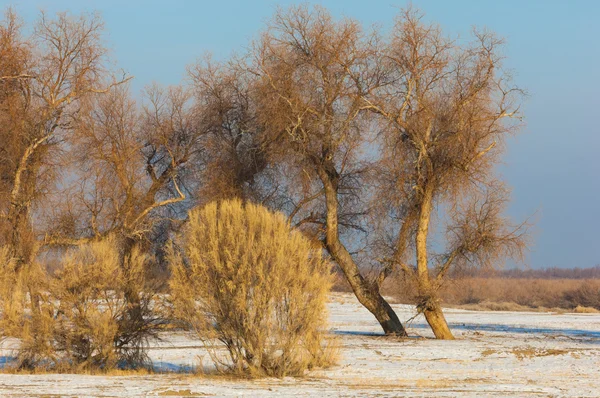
(553, 48)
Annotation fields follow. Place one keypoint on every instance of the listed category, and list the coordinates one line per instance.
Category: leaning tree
(446, 111)
(314, 73)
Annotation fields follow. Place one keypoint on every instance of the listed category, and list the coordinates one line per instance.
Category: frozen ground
(495, 354)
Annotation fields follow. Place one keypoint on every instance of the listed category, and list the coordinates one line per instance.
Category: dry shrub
(585, 310)
(97, 329)
(27, 311)
(245, 278)
(82, 319)
(587, 294)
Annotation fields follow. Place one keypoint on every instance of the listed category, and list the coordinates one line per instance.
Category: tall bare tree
(314, 73)
(447, 109)
(50, 75)
(15, 60)
(129, 162)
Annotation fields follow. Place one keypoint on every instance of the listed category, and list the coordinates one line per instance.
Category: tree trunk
(366, 294)
(431, 309)
(436, 320)
(21, 239)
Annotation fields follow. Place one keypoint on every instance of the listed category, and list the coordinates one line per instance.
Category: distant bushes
(543, 273)
(587, 294)
(245, 278)
(496, 293)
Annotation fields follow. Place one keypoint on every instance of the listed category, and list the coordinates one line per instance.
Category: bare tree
(59, 66)
(130, 162)
(314, 73)
(236, 148)
(445, 109)
(15, 60)
(44, 81)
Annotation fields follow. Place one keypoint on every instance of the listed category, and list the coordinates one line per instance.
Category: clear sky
(553, 47)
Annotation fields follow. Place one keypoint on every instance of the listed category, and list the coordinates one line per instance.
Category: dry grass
(527, 352)
(180, 393)
(140, 371)
(585, 310)
(530, 352)
(487, 305)
(246, 279)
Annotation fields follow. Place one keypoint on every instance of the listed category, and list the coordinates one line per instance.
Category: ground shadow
(157, 367)
(167, 367)
(588, 335)
(357, 333)
(591, 334)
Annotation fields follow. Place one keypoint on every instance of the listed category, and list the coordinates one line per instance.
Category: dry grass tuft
(180, 393)
(244, 278)
(530, 352)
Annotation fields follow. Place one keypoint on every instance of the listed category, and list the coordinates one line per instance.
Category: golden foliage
(245, 278)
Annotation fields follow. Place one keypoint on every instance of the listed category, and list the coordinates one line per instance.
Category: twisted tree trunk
(367, 294)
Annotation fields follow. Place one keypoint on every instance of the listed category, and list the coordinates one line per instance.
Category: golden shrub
(12, 297)
(26, 311)
(90, 299)
(106, 310)
(81, 318)
(245, 278)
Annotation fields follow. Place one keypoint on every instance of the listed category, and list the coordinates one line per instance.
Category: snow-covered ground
(495, 354)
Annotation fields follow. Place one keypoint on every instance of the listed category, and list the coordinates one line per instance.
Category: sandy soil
(495, 354)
